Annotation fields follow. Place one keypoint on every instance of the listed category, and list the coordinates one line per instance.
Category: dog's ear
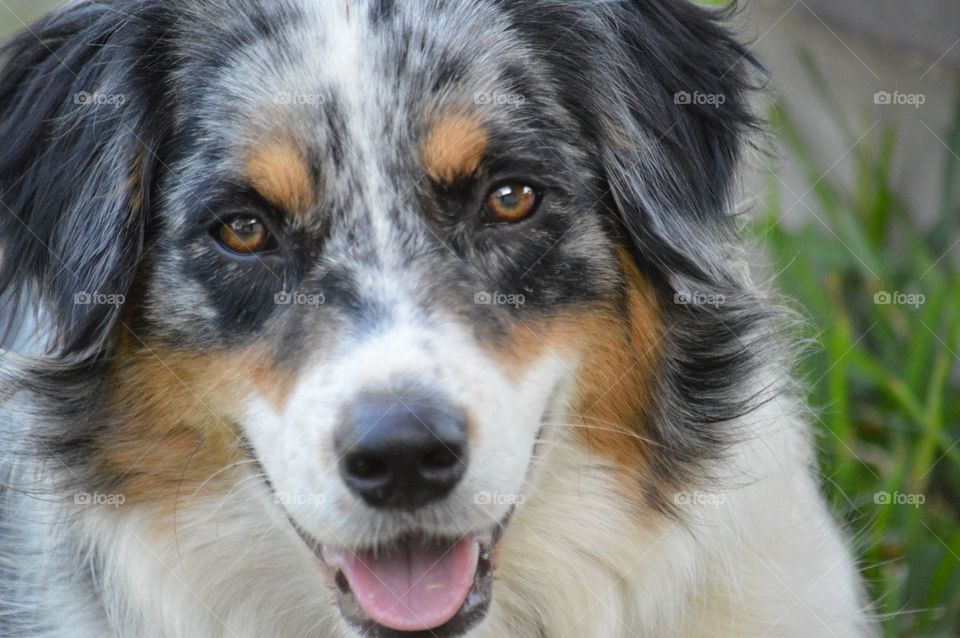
(662, 88)
(75, 166)
(673, 112)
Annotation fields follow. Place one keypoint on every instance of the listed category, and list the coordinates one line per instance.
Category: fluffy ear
(662, 88)
(672, 130)
(76, 164)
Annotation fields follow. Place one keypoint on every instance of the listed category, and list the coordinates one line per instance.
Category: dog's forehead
(364, 83)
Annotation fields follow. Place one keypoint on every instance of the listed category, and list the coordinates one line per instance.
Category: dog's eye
(244, 234)
(512, 202)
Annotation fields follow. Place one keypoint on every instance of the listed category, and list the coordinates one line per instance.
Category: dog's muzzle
(402, 452)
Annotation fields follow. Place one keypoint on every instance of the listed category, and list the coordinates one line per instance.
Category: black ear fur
(78, 154)
(685, 88)
(669, 165)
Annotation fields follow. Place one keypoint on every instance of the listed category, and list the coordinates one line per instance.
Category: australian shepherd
(381, 318)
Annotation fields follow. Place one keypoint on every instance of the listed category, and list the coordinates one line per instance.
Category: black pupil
(509, 197)
(245, 227)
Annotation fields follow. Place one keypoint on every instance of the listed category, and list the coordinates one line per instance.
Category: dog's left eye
(244, 234)
(512, 202)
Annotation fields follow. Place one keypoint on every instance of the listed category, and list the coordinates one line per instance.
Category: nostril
(367, 468)
(402, 454)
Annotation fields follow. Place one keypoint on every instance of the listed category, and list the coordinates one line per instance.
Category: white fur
(295, 445)
(760, 558)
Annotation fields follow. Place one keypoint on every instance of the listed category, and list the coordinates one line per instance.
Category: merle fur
(71, 176)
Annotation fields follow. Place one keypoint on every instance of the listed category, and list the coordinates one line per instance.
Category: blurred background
(854, 203)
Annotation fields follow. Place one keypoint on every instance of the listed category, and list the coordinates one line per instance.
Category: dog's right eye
(511, 202)
(244, 234)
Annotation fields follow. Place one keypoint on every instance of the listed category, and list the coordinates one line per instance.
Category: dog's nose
(402, 451)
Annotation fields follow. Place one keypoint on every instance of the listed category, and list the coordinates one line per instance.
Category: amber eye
(512, 202)
(244, 234)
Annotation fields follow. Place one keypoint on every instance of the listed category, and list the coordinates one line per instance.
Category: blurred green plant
(882, 298)
(18, 14)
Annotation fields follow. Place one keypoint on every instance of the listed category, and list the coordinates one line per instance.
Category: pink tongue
(411, 587)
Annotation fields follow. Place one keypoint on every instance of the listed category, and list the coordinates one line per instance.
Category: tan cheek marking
(617, 380)
(454, 147)
(619, 355)
(279, 173)
(174, 430)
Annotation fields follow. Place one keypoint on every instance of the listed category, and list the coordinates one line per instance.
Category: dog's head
(382, 255)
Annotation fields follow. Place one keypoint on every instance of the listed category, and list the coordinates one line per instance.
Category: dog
(379, 318)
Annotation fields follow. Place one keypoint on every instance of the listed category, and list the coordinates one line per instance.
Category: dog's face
(398, 221)
(391, 251)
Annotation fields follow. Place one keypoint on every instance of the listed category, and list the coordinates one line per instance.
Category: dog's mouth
(415, 586)
(418, 585)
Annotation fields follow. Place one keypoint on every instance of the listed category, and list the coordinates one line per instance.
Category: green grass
(884, 379)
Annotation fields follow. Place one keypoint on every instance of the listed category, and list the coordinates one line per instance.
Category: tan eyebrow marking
(454, 147)
(280, 174)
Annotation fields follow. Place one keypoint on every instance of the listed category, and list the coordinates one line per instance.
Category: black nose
(402, 451)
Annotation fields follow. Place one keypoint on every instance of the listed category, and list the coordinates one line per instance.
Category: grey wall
(14, 13)
(928, 27)
(862, 47)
